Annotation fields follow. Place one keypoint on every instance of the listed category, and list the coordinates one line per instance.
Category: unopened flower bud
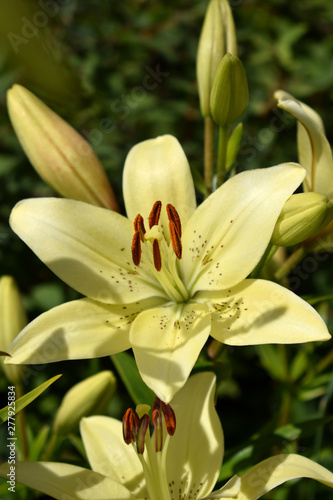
(60, 155)
(303, 215)
(218, 36)
(88, 397)
(230, 94)
(12, 320)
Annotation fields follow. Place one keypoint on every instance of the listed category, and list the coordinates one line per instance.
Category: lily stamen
(157, 255)
(173, 216)
(136, 248)
(155, 213)
(139, 226)
(175, 239)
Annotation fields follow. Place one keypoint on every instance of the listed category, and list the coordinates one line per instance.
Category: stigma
(155, 235)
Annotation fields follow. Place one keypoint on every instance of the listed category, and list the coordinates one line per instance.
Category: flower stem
(290, 263)
(222, 155)
(208, 154)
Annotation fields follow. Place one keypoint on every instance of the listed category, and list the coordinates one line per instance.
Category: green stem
(222, 155)
(51, 446)
(290, 263)
(269, 252)
(208, 153)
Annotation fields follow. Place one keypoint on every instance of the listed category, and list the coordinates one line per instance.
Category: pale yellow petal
(229, 232)
(109, 455)
(229, 490)
(76, 330)
(262, 312)
(87, 247)
(195, 452)
(66, 482)
(157, 170)
(274, 471)
(166, 342)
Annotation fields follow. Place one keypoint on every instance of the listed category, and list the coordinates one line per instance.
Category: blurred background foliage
(91, 63)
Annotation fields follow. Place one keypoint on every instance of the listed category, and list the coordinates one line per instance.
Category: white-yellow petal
(229, 490)
(86, 246)
(76, 330)
(229, 232)
(166, 342)
(195, 452)
(66, 482)
(262, 312)
(157, 170)
(109, 455)
(314, 150)
(274, 471)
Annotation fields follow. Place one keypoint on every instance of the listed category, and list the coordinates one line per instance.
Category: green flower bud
(88, 397)
(303, 215)
(13, 319)
(59, 154)
(218, 36)
(230, 94)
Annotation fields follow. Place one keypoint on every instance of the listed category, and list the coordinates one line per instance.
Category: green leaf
(233, 145)
(129, 374)
(26, 399)
(273, 361)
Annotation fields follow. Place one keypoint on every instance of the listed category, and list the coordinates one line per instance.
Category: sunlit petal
(229, 232)
(262, 312)
(157, 169)
(76, 330)
(229, 490)
(195, 452)
(86, 246)
(109, 455)
(66, 482)
(274, 471)
(166, 342)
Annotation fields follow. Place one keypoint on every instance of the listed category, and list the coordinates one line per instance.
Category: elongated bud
(230, 94)
(58, 153)
(218, 37)
(13, 319)
(303, 215)
(88, 397)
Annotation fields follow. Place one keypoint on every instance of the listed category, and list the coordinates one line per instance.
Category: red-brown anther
(173, 216)
(175, 239)
(141, 433)
(139, 226)
(158, 427)
(155, 213)
(169, 415)
(136, 248)
(157, 255)
(130, 426)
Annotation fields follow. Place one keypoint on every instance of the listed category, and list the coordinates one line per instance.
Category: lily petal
(157, 169)
(166, 342)
(194, 454)
(314, 150)
(262, 312)
(86, 246)
(274, 471)
(229, 490)
(230, 230)
(76, 330)
(66, 482)
(109, 455)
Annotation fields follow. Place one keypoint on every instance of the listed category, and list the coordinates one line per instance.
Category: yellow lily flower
(186, 465)
(177, 277)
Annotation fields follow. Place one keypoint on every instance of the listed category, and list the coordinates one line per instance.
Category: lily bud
(13, 319)
(303, 215)
(88, 397)
(230, 94)
(218, 36)
(60, 155)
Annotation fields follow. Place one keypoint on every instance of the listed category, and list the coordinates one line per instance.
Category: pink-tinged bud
(60, 155)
